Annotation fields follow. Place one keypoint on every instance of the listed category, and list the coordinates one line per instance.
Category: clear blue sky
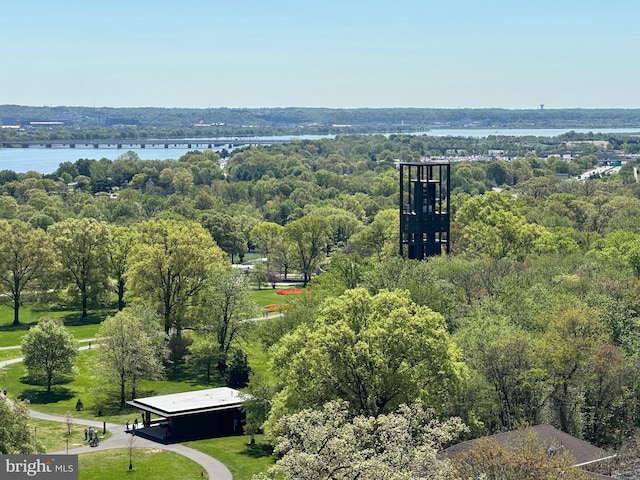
(338, 54)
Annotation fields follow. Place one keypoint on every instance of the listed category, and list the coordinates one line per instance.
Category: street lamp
(131, 450)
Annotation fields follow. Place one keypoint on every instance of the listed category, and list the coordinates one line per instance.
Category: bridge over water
(143, 143)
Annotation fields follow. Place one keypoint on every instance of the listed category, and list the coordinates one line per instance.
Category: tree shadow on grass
(40, 397)
(186, 373)
(9, 327)
(257, 450)
(95, 318)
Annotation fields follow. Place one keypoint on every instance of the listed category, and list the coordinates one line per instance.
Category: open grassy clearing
(79, 328)
(241, 458)
(148, 464)
(63, 396)
(53, 435)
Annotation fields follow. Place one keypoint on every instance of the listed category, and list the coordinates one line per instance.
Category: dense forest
(532, 318)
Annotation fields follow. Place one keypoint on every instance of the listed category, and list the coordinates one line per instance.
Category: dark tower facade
(424, 209)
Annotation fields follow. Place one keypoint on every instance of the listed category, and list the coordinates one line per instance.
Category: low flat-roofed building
(189, 415)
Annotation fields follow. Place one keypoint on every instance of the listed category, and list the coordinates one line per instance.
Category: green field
(241, 458)
(63, 397)
(53, 435)
(148, 464)
(79, 328)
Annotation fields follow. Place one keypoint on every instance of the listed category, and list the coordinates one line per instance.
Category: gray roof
(191, 403)
(583, 452)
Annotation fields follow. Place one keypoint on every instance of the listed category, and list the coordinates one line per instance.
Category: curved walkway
(120, 439)
(215, 469)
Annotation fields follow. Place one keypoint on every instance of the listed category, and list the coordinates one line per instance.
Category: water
(47, 160)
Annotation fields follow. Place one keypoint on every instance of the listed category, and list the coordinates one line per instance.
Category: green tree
(226, 304)
(16, 435)
(26, 256)
(204, 352)
(182, 181)
(376, 352)
(310, 236)
(81, 246)
(380, 237)
(120, 248)
(492, 224)
(265, 234)
(329, 443)
(132, 348)
(259, 274)
(565, 352)
(49, 350)
(226, 232)
(257, 405)
(170, 265)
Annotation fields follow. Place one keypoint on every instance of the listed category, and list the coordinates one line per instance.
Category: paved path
(215, 469)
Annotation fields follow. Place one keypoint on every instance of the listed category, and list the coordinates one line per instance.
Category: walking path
(215, 469)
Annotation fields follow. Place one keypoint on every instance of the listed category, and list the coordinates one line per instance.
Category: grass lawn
(53, 435)
(242, 459)
(9, 354)
(148, 464)
(79, 328)
(266, 296)
(63, 397)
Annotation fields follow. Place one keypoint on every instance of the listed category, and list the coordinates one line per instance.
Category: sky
(514, 54)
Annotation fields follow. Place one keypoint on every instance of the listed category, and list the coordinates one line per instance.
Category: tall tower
(424, 209)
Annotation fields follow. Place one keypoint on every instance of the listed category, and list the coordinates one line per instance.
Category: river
(47, 160)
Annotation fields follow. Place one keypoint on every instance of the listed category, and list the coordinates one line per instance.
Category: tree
(492, 224)
(330, 443)
(257, 405)
(376, 352)
(282, 256)
(265, 234)
(226, 232)
(49, 350)
(380, 237)
(170, 265)
(26, 255)
(310, 235)
(132, 347)
(258, 274)
(223, 308)
(16, 435)
(526, 460)
(204, 352)
(565, 351)
(503, 354)
(81, 245)
(120, 247)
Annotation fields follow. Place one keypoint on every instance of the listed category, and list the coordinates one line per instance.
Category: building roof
(583, 452)
(191, 403)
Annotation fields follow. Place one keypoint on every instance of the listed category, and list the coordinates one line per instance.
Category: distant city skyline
(335, 54)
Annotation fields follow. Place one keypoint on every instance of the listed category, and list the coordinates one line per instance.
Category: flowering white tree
(331, 444)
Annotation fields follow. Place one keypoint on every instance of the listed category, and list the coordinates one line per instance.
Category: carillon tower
(424, 209)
